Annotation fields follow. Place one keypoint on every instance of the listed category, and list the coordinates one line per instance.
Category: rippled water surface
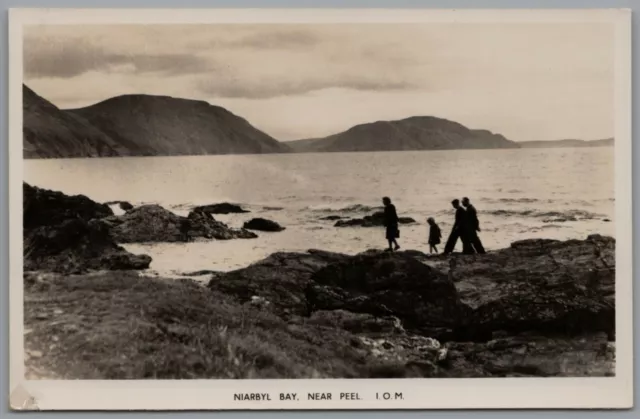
(519, 193)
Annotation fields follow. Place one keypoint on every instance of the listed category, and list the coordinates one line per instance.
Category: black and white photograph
(435, 200)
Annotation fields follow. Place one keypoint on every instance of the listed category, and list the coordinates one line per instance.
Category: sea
(519, 194)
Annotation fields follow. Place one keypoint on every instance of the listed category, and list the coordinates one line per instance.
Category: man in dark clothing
(460, 230)
(474, 226)
(391, 224)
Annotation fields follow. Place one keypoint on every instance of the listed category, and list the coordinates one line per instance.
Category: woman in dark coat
(391, 224)
(434, 235)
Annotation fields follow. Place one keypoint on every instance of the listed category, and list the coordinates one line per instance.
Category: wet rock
(221, 208)
(332, 217)
(374, 220)
(262, 224)
(152, 223)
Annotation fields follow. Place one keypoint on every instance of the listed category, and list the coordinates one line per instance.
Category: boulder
(374, 220)
(222, 208)
(76, 246)
(378, 286)
(125, 206)
(281, 278)
(391, 284)
(202, 224)
(561, 287)
(152, 223)
(43, 207)
(262, 224)
(66, 234)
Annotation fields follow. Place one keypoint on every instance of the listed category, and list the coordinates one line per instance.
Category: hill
(569, 143)
(166, 126)
(49, 132)
(415, 133)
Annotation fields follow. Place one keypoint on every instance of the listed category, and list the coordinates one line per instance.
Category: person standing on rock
(391, 224)
(434, 235)
(474, 225)
(460, 230)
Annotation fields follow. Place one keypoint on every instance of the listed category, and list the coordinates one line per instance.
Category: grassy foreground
(116, 325)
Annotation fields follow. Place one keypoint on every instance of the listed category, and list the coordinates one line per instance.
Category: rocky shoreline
(537, 308)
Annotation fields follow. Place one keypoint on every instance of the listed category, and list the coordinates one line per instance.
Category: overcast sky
(525, 81)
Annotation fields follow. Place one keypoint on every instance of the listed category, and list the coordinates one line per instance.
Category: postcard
(261, 209)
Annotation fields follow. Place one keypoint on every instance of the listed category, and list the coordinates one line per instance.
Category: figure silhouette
(460, 230)
(434, 235)
(391, 223)
(474, 225)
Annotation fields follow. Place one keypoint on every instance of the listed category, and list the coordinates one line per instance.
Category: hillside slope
(166, 126)
(415, 133)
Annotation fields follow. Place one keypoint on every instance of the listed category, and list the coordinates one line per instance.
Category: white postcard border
(606, 392)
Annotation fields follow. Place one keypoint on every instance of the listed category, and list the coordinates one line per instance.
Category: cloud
(57, 59)
(282, 87)
(287, 39)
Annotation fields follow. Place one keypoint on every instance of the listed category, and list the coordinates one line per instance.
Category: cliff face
(49, 132)
(416, 133)
(166, 126)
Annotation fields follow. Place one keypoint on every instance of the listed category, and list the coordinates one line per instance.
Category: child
(434, 235)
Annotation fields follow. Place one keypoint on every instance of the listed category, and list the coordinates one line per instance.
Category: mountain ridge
(138, 125)
(412, 133)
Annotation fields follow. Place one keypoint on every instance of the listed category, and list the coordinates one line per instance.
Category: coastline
(260, 321)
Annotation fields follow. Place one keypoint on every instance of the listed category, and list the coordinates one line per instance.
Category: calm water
(523, 193)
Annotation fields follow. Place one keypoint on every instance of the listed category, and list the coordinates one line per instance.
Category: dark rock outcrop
(541, 286)
(64, 234)
(281, 278)
(152, 223)
(544, 285)
(262, 224)
(43, 207)
(222, 208)
(374, 220)
(76, 246)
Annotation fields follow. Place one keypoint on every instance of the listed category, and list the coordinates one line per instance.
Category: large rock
(42, 207)
(65, 234)
(374, 220)
(222, 208)
(152, 223)
(282, 279)
(381, 285)
(552, 286)
(389, 284)
(262, 224)
(76, 246)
